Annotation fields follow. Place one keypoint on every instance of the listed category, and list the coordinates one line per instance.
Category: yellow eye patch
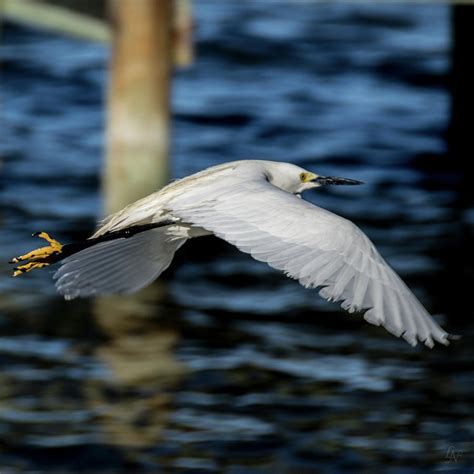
(306, 177)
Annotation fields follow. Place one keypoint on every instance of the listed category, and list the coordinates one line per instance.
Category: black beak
(324, 180)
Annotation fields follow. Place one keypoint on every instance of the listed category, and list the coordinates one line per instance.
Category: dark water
(225, 365)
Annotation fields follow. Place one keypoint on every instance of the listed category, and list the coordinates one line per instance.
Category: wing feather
(123, 265)
(313, 246)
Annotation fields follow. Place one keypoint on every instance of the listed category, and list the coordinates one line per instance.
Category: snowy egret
(255, 205)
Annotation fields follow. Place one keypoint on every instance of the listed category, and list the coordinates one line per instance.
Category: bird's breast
(186, 231)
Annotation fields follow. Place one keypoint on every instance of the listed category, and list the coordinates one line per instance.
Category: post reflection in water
(138, 352)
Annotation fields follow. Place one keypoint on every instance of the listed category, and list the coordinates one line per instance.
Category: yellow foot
(37, 257)
(28, 267)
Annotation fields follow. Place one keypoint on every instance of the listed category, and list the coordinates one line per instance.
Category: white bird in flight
(255, 205)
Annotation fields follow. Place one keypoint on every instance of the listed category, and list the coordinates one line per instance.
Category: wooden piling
(147, 37)
(183, 53)
(57, 17)
(138, 101)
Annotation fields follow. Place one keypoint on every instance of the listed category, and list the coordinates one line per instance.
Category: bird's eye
(304, 177)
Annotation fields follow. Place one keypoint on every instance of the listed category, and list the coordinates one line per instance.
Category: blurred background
(225, 365)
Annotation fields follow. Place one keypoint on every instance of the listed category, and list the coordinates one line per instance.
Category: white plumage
(255, 206)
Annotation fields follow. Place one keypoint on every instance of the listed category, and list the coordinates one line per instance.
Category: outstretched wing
(122, 265)
(313, 246)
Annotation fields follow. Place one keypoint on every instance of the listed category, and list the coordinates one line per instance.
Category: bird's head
(295, 180)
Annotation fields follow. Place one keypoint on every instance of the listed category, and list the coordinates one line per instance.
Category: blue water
(224, 365)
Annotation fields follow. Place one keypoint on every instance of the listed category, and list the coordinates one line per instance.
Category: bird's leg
(55, 252)
(38, 258)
